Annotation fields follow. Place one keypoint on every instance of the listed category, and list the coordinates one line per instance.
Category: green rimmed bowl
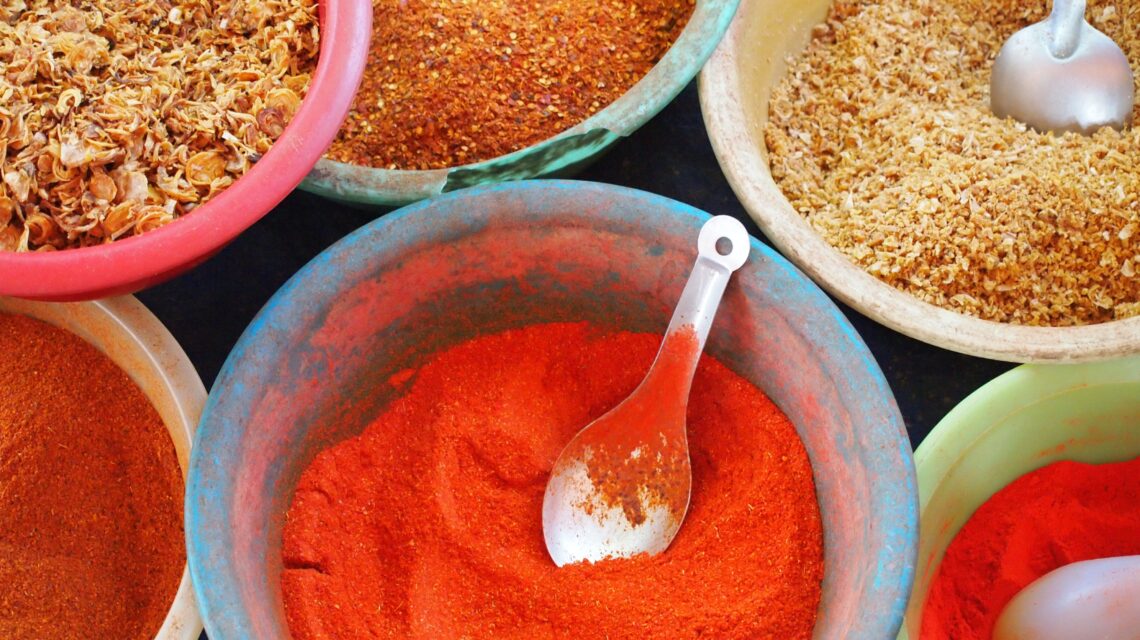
(561, 155)
(1020, 421)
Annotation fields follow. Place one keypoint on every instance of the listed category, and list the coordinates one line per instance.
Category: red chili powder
(91, 541)
(428, 524)
(1062, 513)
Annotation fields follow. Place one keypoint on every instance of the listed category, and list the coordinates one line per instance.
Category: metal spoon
(1090, 599)
(621, 486)
(1061, 74)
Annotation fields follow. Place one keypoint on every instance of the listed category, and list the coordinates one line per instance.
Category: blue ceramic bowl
(486, 259)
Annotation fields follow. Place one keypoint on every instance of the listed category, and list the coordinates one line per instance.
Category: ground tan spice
(451, 82)
(882, 137)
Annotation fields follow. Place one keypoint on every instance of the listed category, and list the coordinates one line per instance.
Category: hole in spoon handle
(724, 228)
(705, 286)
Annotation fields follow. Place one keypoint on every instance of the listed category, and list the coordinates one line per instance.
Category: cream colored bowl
(735, 87)
(134, 339)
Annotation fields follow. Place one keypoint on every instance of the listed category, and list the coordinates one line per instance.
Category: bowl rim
(1007, 394)
(135, 326)
(205, 503)
(746, 168)
(665, 80)
(129, 264)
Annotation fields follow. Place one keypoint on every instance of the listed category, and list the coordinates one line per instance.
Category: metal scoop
(1061, 74)
(621, 486)
(1091, 599)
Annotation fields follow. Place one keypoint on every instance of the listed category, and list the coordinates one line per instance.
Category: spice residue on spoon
(616, 465)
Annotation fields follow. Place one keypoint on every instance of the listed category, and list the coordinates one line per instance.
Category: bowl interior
(560, 155)
(128, 265)
(735, 88)
(124, 330)
(304, 374)
(1021, 421)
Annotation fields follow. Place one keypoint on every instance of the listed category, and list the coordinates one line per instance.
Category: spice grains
(451, 82)
(91, 540)
(118, 116)
(881, 135)
(429, 523)
(1059, 514)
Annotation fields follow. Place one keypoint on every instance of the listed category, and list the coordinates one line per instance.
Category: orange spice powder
(428, 524)
(91, 540)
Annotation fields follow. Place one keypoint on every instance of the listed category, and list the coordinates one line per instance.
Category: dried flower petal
(120, 115)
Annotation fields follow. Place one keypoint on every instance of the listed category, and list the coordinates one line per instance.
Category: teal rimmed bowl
(560, 155)
(303, 376)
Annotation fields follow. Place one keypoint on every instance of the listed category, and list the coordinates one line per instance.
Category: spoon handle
(1065, 22)
(710, 275)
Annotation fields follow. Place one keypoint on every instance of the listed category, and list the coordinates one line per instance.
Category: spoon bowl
(1062, 74)
(621, 486)
(1090, 599)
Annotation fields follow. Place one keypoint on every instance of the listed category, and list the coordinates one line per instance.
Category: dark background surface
(208, 308)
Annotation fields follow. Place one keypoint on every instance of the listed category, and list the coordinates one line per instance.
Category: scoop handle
(1065, 23)
(1090, 599)
(709, 278)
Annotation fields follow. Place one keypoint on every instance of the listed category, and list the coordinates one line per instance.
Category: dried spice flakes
(122, 115)
(451, 82)
(881, 135)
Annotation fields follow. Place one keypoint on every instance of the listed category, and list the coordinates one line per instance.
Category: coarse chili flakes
(451, 82)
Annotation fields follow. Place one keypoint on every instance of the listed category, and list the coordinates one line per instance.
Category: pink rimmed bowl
(131, 264)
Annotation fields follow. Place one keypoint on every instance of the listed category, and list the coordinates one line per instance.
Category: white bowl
(134, 339)
(735, 87)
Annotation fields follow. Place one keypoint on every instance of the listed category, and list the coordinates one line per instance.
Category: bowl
(734, 88)
(561, 155)
(124, 330)
(486, 259)
(1022, 420)
(131, 264)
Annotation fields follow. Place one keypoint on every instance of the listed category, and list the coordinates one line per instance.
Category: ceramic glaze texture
(560, 155)
(303, 377)
(135, 263)
(735, 88)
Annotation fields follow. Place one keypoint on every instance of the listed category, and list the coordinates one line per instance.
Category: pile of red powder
(428, 524)
(1063, 513)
